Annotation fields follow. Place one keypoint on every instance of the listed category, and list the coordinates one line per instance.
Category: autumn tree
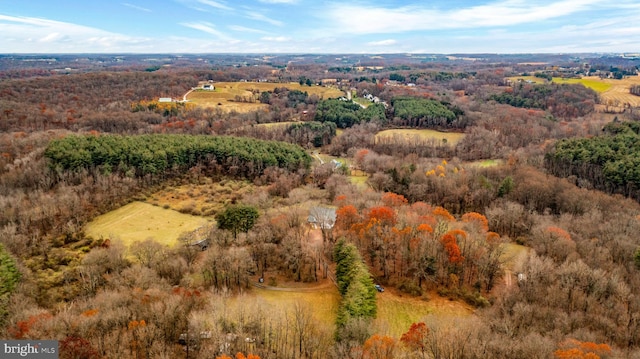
(415, 338)
(574, 349)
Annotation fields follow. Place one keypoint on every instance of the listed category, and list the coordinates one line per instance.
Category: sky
(318, 26)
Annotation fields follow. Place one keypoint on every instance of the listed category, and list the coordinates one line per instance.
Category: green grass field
(138, 221)
(593, 84)
(451, 138)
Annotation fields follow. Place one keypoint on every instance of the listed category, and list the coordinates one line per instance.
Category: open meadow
(396, 311)
(420, 136)
(613, 93)
(225, 94)
(138, 221)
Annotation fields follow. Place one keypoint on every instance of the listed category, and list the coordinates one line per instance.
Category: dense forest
(528, 220)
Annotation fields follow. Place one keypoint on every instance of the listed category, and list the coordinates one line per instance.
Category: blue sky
(317, 26)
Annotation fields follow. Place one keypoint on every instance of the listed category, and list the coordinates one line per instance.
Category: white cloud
(208, 28)
(215, 4)
(246, 29)
(367, 19)
(278, 1)
(136, 7)
(30, 34)
(276, 38)
(388, 42)
(259, 17)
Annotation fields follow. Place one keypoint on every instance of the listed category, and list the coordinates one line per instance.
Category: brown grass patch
(420, 136)
(224, 95)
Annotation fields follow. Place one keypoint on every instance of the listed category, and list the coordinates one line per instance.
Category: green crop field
(138, 221)
(450, 138)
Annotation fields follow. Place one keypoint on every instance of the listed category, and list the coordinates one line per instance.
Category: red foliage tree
(415, 337)
(73, 347)
(451, 246)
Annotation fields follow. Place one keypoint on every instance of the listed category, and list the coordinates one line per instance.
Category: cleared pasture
(225, 93)
(138, 221)
(420, 136)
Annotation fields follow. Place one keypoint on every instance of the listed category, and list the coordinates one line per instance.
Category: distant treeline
(561, 100)
(610, 162)
(157, 154)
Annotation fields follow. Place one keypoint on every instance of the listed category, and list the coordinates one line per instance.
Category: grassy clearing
(225, 93)
(324, 302)
(274, 125)
(537, 80)
(362, 101)
(396, 313)
(360, 181)
(205, 199)
(486, 163)
(138, 221)
(513, 254)
(421, 135)
(595, 84)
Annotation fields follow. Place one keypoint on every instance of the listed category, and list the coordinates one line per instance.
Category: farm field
(594, 83)
(421, 136)
(613, 93)
(138, 221)
(225, 93)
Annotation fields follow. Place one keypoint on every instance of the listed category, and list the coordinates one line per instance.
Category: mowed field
(138, 221)
(225, 93)
(420, 136)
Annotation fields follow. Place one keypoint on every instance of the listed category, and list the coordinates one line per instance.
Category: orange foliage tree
(393, 200)
(347, 216)
(575, 349)
(379, 347)
(474, 217)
